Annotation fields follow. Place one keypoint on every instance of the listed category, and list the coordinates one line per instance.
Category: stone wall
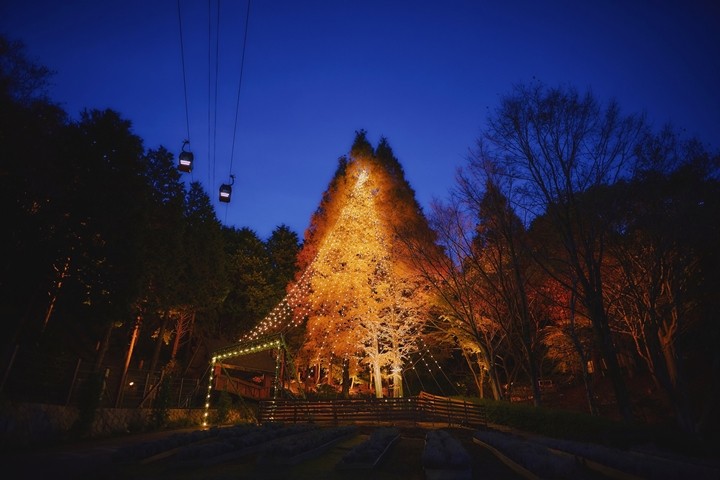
(28, 424)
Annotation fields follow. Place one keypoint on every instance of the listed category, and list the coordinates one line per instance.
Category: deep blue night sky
(423, 74)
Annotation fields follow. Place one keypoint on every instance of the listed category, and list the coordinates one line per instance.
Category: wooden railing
(453, 410)
(423, 408)
(241, 387)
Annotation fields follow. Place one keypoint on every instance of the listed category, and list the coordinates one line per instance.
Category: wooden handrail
(423, 408)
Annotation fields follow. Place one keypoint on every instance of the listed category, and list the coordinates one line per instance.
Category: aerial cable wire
(429, 370)
(450, 382)
(418, 376)
(182, 58)
(209, 100)
(237, 102)
(242, 67)
(212, 111)
(209, 89)
(217, 71)
(404, 381)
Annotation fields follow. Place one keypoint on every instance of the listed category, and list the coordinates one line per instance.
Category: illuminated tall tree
(361, 303)
(349, 276)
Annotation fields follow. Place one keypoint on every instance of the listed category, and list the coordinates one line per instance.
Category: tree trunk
(345, 379)
(182, 329)
(603, 336)
(676, 390)
(377, 378)
(396, 369)
(477, 379)
(159, 341)
(104, 344)
(589, 392)
(494, 380)
(534, 378)
(128, 358)
(587, 380)
(480, 379)
(54, 295)
(190, 352)
(179, 332)
(582, 355)
(398, 391)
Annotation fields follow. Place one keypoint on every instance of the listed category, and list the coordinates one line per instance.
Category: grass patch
(578, 426)
(552, 422)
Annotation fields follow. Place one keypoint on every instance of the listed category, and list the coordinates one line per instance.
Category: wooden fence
(241, 387)
(423, 408)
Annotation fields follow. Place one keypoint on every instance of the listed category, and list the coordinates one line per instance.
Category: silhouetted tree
(667, 262)
(33, 176)
(163, 300)
(558, 144)
(203, 281)
(22, 81)
(282, 248)
(501, 256)
(105, 221)
(250, 290)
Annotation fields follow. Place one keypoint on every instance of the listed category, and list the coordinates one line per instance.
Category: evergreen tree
(358, 294)
(163, 299)
(282, 247)
(204, 278)
(251, 294)
(104, 225)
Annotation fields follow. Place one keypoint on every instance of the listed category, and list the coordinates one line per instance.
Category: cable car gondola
(185, 160)
(226, 190)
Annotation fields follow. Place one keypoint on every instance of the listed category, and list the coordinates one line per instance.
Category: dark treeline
(581, 246)
(103, 238)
